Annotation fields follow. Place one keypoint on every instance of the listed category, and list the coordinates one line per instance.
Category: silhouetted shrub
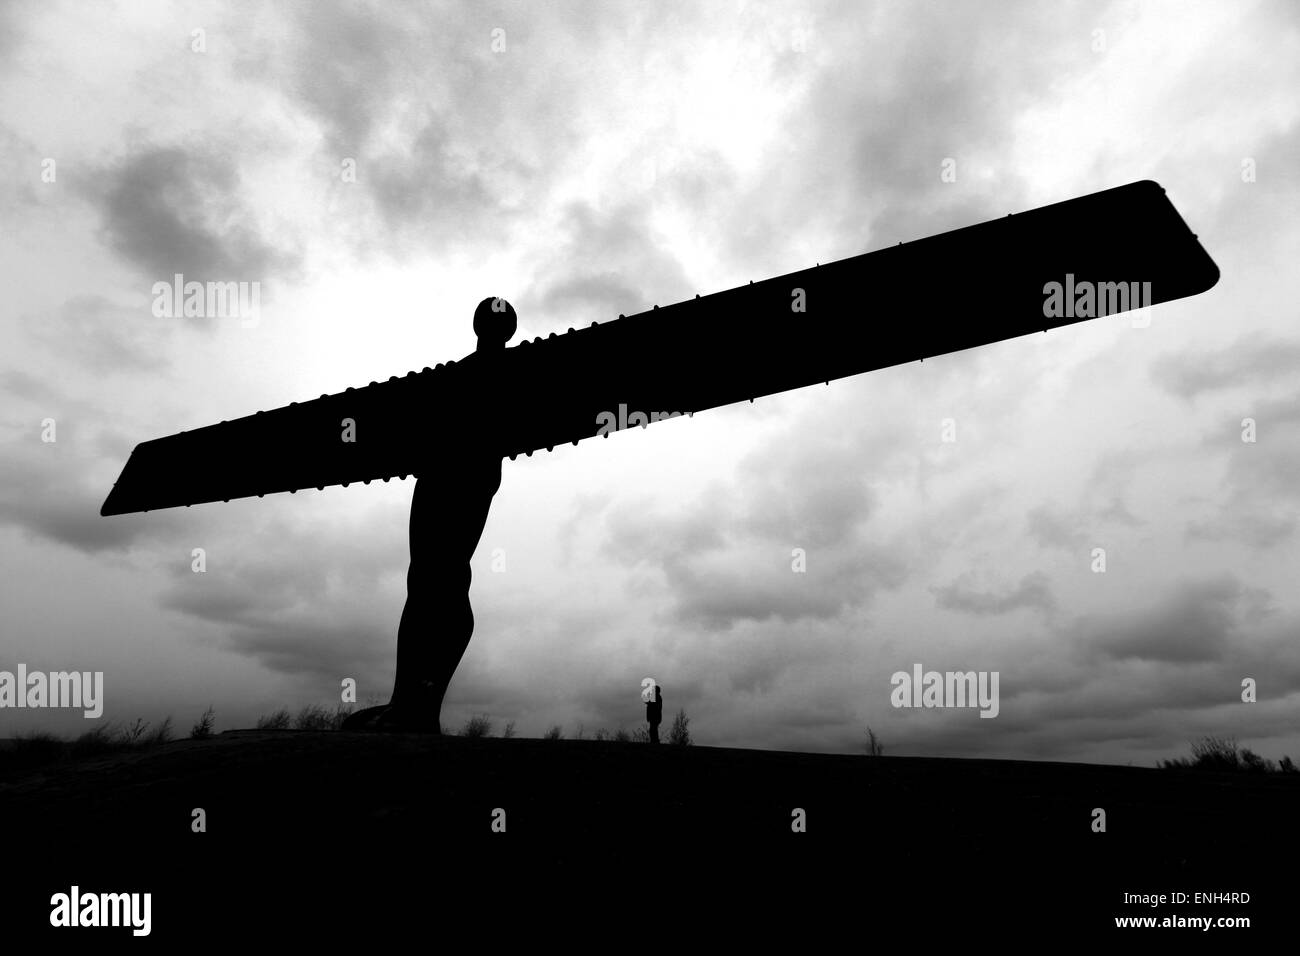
(680, 735)
(875, 747)
(315, 717)
(555, 733)
(1223, 754)
(33, 749)
(279, 720)
(1216, 753)
(1252, 762)
(203, 728)
(100, 740)
(162, 733)
(509, 731)
(478, 726)
(622, 736)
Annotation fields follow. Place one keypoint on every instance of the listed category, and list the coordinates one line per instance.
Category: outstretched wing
(953, 291)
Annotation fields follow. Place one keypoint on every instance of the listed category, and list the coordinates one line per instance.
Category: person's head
(659, 691)
(494, 322)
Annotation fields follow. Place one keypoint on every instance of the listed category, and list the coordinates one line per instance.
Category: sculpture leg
(448, 511)
(435, 629)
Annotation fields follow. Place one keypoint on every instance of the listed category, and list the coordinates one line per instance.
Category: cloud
(729, 556)
(814, 494)
(350, 62)
(1194, 623)
(1259, 211)
(1259, 501)
(583, 510)
(1263, 471)
(307, 600)
(1089, 705)
(1117, 512)
(1054, 527)
(863, 93)
(722, 566)
(167, 210)
(1052, 530)
(459, 134)
(1033, 592)
(43, 492)
(53, 490)
(719, 593)
(11, 34)
(605, 293)
(609, 262)
(1259, 531)
(430, 188)
(28, 387)
(328, 649)
(102, 336)
(1250, 361)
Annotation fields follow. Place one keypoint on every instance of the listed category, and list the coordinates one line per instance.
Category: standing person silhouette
(654, 712)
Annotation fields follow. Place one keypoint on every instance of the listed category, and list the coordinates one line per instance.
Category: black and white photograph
(809, 473)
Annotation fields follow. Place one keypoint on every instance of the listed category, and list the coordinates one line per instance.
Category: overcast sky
(597, 158)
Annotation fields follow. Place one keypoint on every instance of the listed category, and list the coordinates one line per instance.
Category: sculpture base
(390, 719)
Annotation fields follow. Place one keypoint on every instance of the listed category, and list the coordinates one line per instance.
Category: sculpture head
(494, 322)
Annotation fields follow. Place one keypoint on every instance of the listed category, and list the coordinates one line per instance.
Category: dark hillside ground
(344, 832)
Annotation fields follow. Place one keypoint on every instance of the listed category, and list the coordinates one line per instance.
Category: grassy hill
(385, 818)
